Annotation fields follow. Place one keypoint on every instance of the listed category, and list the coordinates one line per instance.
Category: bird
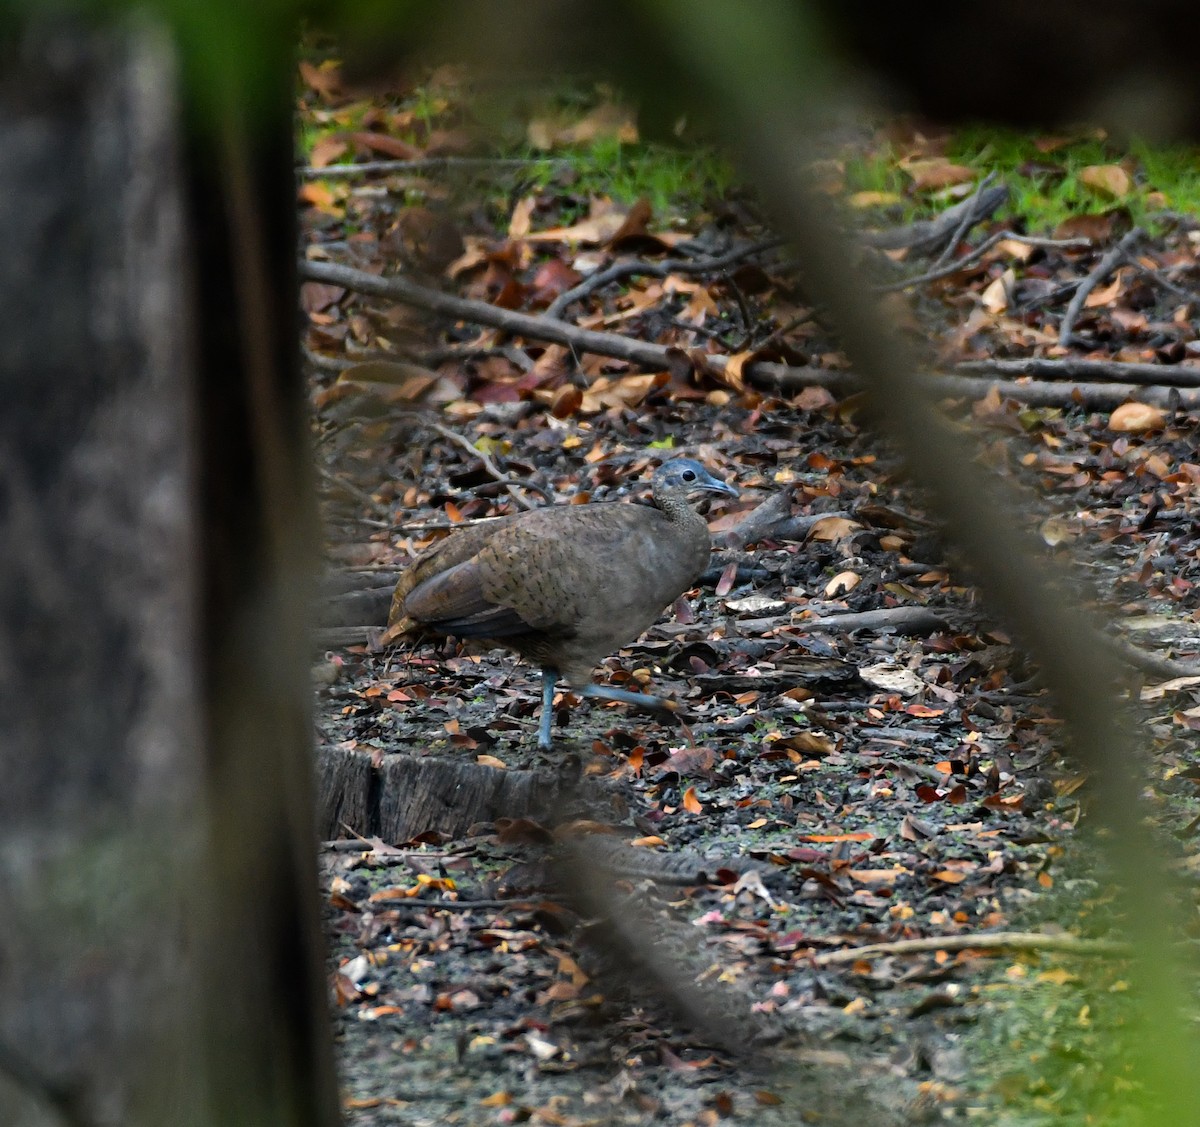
(565, 585)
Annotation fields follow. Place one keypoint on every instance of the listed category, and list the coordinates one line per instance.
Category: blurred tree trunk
(159, 947)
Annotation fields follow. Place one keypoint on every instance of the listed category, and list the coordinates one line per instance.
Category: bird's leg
(638, 700)
(549, 681)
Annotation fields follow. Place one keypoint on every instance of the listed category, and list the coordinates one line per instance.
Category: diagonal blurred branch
(769, 121)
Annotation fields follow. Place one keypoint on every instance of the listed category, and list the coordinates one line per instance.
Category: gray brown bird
(565, 585)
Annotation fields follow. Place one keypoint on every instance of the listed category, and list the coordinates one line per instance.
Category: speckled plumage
(566, 585)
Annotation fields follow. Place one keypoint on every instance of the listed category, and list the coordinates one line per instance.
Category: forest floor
(828, 787)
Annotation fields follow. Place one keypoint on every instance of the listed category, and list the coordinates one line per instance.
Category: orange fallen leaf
(837, 837)
(950, 876)
(1135, 418)
(833, 528)
(1109, 293)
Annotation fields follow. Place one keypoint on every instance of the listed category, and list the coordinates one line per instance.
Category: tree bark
(159, 951)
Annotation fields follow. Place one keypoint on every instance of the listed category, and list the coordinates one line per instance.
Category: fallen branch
(1163, 375)
(638, 267)
(425, 164)
(985, 941)
(1106, 265)
(1147, 661)
(1090, 396)
(655, 357)
(764, 375)
(759, 523)
(926, 235)
(907, 621)
(904, 620)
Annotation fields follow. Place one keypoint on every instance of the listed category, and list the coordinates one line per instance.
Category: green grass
(1063, 1041)
(1046, 186)
(676, 181)
(1056, 1050)
(877, 171)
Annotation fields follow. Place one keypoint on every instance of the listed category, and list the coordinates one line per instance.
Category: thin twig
(1160, 279)
(975, 255)
(640, 267)
(524, 905)
(969, 219)
(984, 941)
(954, 267)
(787, 380)
(510, 483)
(1106, 265)
(353, 490)
(743, 309)
(424, 164)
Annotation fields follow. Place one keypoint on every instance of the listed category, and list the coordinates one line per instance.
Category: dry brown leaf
(324, 197)
(606, 121)
(315, 296)
(862, 200)
(833, 528)
(1057, 530)
(604, 220)
(841, 584)
(1022, 252)
(950, 876)
(1096, 227)
(1135, 418)
(1157, 692)
(928, 175)
(381, 143)
(1108, 180)
(732, 372)
(326, 150)
(325, 79)
(521, 220)
(995, 298)
(1103, 296)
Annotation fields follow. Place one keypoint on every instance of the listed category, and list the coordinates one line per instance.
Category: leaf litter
(833, 791)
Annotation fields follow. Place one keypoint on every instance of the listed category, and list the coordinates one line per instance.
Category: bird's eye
(688, 475)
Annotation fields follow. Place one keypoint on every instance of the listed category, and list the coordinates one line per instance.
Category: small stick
(426, 164)
(1106, 265)
(969, 219)
(975, 255)
(985, 941)
(466, 444)
(635, 267)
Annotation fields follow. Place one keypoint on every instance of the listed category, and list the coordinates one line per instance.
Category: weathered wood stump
(408, 795)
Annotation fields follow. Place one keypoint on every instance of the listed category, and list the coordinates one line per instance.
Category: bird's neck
(676, 509)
